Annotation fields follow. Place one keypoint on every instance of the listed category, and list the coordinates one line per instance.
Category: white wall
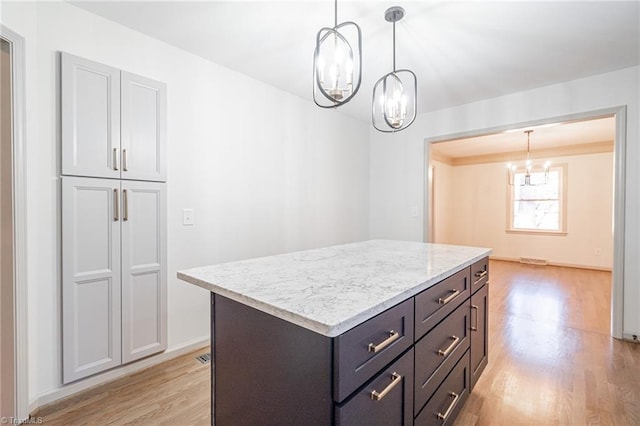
(443, 206)
(479, 211)
(266, 172)
(397, 160)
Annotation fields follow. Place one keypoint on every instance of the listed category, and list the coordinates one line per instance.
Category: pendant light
(337, 67)
(528, 169)
(395, 95)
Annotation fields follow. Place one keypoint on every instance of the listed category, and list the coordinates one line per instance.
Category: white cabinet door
(144, 270)
(90, 276)
(143, 128)
(90, 97)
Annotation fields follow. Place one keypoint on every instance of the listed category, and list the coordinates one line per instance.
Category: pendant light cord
(394, 46)
(335, 15)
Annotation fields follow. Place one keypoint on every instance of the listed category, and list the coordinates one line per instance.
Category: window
(538, 208)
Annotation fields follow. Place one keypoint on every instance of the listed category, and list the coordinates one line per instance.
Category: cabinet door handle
(455, 397)
(450, 347)
(393, 336)
(395, 379)
(124, 160)
(125, 205)
(448, 299)
(116, 208)
(475, 308)
(480, 275)
(115, 158)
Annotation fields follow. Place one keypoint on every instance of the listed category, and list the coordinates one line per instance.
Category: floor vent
(204, 358)
(533, 261)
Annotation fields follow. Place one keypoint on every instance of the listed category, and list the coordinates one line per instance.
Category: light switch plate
(187, 217)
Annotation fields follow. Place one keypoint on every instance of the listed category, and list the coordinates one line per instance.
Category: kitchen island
(374, 332)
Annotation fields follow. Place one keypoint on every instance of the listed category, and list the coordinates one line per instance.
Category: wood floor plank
(551, 362)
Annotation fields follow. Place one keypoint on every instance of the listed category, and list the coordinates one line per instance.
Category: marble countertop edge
(339, 327)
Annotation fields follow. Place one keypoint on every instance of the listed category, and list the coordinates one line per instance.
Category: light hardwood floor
(173, 393)
(551, 362)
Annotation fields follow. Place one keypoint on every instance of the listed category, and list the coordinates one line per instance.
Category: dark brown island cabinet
(413, 364)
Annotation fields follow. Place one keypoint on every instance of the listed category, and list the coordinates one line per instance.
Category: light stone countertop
(330, 290)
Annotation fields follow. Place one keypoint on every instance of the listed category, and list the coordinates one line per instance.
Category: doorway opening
(7, 338)
(13, 268)
(594, 159)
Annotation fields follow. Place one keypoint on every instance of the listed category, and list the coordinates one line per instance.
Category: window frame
(562, 208)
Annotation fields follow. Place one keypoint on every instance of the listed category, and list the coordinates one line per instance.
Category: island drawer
(438, 351)
(435, 303)
(363, 351)
(387, 400)
(446, 402)
(479, 274)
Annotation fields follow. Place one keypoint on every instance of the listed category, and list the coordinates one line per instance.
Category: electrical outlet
(187, 217)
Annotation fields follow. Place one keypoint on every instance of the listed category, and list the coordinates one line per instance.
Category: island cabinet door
(479, 333)
(387, 400)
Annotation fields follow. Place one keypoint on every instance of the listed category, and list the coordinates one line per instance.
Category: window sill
(535, 232)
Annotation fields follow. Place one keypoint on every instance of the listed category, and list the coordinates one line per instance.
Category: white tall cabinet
(114, 279)
(113, 122)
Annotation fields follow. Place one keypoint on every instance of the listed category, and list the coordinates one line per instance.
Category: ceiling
(460, 51)
(543, 137)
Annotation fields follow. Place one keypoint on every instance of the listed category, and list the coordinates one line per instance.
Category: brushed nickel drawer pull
(393, 336)
(475, 308)
(116, 208)
(115, 158)
(453, 404)
(395, 379)
(124, 160)
(448, 299)
(125, 202)
(451, 346)
(480, 275)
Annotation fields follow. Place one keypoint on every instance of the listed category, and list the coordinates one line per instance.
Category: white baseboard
(552, 263)
(100, 379)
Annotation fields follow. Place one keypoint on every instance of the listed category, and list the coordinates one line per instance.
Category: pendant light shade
(337, 63)
(395, 95)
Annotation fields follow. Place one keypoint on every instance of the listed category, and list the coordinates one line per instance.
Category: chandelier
(337, 67)
(395, 94)
(540, 173)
